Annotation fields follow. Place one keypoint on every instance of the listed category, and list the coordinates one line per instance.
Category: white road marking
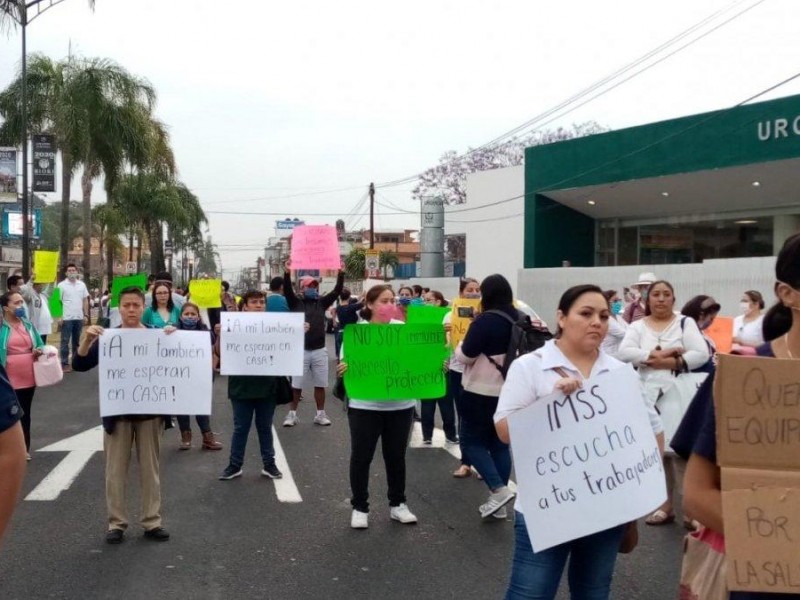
(440, 441)
(285, 488)
(80, 449)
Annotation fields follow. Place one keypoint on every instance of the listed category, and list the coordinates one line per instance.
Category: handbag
(47, 368)
(283, 392)
(704, 568)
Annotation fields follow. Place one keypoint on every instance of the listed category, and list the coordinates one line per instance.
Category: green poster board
(54, 303)
(120, 283)
(421, 313)
(395, 362)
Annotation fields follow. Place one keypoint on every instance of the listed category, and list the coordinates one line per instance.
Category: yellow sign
(464, 311)
(206, 293)
(45, 265)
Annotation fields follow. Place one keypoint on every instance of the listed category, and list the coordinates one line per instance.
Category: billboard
(8, 175)
(12, 223)
(284, 227)
(44, 162)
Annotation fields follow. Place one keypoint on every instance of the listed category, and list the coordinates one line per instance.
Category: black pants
(25, 397)
(393, 428)
(446, 409)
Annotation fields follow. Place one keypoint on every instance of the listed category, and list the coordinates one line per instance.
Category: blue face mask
(19, 312)
(617, 307)
(189, 323)
(311, 294)
(418, 302)
(404, 301)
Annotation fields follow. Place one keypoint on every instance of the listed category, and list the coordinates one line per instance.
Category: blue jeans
(243, 411)
(454, 390)
(70, 329)
(535, 576)
(203, 422)
(490, 456)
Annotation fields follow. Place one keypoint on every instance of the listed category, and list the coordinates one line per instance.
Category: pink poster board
(315, 247)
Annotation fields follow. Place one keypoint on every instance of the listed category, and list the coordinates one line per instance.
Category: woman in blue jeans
(562, 365)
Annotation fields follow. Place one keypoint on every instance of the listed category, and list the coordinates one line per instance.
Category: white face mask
(744, 307)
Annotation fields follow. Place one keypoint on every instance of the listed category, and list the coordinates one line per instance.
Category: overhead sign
(44, 162)
(587, 461)
(261, 343)
(8, 174)
(150, 372)
(758, 451)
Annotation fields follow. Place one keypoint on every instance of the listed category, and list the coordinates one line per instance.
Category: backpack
(526, 336)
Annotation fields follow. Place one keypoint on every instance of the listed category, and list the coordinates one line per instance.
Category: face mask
(72, 276)
(189, 322)
(404, 301)
(644, 295)
(384, 313)
(744, 307)
(311, 294)
(473, 296)
(617, 307)
(19, 312)
(418, 302)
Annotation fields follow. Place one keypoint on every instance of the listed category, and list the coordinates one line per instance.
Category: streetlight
(17, 10)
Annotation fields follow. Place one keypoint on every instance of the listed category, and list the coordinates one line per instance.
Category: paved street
(236, 539)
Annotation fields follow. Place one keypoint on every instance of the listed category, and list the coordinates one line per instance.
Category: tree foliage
(449, 178)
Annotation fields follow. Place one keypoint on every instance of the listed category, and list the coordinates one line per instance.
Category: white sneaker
(291, 419)
(321, 418)
(501, 514)
(497, 500)
(359, 520)
(402, 514)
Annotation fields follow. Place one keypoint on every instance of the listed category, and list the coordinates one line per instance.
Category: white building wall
(724, 279)
(495, 234)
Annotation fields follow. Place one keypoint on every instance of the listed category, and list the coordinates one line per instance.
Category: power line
(286, 197)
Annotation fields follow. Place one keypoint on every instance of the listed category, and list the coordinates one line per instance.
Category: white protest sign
(261, 343)
(147, 372)
(586, 462)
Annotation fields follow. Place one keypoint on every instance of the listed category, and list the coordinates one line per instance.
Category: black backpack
(526, 336)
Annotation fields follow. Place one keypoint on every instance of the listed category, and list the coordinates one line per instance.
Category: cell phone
(466, 312)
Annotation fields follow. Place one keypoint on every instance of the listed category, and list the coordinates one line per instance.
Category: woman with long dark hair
(163, 311)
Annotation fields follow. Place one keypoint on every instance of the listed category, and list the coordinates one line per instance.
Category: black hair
(72, 264)
(164, 276)
(275, 284)
(226, 286)
(417, 289)
(464, 281)
(13, 280)
(405, 287)
(755, 296)
(372, 295)
(694, 307)
(344, 295)
(200, 324)
(170, 303)
(251, 294)
(425, 290)
(647, 311)
(778, 319)
(570, 297)
(496, 293)
(608, 295)
(6, 298)
(439, 296)
(135, 291)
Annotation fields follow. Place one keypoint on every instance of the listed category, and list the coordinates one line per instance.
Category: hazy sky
(265, 100)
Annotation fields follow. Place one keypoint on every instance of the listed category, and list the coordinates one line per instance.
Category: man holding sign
(588, 461)
(122, 431)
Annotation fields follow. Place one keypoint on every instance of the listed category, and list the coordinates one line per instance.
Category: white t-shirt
(750, 333)
(533, 376)
(616, 333)
(72, 295)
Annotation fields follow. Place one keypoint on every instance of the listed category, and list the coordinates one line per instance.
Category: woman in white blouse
(747, 327)
(561, 365)
(662, 345)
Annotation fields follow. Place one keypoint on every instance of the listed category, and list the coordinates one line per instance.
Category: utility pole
(26, 212)
(371, 216)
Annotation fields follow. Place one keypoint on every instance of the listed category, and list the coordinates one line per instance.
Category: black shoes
(271, 471)
(115, 536)
(157, 534)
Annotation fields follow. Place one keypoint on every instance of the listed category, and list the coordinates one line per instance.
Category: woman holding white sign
(371, 420)
(562, 365)
(663, 345)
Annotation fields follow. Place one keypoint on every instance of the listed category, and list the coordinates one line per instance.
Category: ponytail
(777, 322)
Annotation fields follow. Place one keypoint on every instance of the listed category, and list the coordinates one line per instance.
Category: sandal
(660, 518)
(462, 472)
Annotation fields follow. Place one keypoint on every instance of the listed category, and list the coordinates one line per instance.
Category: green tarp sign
(54, 303)
(395, 362)
(120, 283)
(418, 314)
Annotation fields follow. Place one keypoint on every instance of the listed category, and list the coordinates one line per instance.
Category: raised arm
(288, 290)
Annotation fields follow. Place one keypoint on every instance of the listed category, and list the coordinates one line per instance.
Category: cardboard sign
(588, 461)
(206, 293)
(45, 264)
(261, 343)
(423, 314)
(315, 247)
(464, 311)
(721, 331)
(120, 283)
(394, 362)
(757, 403)
(147, 372)
(54, 303)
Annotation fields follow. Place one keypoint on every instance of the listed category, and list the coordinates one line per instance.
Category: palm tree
(386, 259)
(111, 224)
(206, 257)
(355, 263)
(100, 114)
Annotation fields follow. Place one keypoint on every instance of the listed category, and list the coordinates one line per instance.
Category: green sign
(54, 303)
(421, 313)
(395, 362)
(120, 283)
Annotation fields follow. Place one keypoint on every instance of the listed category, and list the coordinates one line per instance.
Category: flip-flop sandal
(659, 518)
